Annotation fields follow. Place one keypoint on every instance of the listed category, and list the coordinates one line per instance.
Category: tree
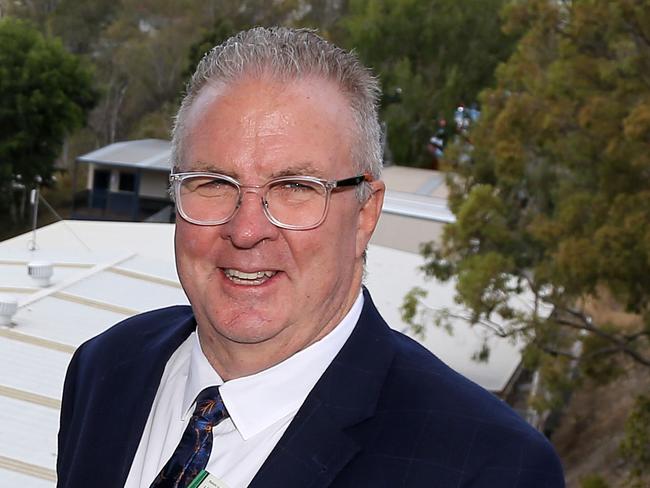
(140, 58)
(80, 25)
(238, 16)
(219, 32)
(45, 92)
(440, 53)
(553, 196)
(635, 447)
(141, 51)
(36, 10)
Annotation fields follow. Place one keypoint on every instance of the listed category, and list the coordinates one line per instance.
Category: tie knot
(209, 406)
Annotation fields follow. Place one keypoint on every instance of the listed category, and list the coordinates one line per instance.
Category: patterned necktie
(193, 451)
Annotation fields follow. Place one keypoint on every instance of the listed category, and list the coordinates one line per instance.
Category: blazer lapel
(311, 454)
(131, 389)
(320, 440)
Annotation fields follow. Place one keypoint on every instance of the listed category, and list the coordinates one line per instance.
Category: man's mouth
(243, 278)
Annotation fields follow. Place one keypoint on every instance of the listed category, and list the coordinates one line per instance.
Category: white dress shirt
(261, 407)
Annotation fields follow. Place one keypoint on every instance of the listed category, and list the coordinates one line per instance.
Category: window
(101, 179)
(127, 182)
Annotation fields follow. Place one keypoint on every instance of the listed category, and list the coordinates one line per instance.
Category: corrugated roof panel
(13, 478)
(105, 239)
(153, 267)
(63, 321)
(127, 291)
(34, 369)
(15, 275)
(18, 436)
(418, 206)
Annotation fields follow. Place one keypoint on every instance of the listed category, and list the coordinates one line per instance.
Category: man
(282, 373)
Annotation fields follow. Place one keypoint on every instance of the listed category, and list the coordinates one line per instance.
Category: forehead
(268, 127)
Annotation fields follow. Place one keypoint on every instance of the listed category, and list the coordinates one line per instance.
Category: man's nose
(250, 226)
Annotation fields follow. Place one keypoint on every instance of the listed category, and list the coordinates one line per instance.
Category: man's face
(256, 130)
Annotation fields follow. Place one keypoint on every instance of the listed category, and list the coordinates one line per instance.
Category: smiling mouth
(242, 278)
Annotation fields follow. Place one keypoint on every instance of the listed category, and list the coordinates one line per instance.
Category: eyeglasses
(289, 202)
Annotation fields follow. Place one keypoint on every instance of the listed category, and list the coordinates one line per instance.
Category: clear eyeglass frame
(176, 180)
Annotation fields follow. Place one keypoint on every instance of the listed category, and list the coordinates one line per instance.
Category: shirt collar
(201, 375)
(257, 401)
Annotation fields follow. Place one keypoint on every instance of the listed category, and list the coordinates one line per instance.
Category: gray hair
(288, 54)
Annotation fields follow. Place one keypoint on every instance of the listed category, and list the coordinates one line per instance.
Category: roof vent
(8, 308)
(41, 272)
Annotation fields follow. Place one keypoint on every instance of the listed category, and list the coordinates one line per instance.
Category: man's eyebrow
(298, 169)
(201, 166)
(305, 168)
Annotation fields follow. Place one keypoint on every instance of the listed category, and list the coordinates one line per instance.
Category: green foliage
(222, 30)
(237, 16)
(439, 53)
(45, 93)
(553, 196)
(140, 55)
(592, 364)
(140, 49)
(635, 447)
(556, 373)
(80, 24)
(410, 309)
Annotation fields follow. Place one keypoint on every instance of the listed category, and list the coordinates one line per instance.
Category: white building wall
(91, 174)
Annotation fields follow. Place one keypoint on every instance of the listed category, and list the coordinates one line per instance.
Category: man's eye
(210, 187)
(212, 184)
(297, 186)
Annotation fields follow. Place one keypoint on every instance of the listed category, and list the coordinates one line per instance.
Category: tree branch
(489, 324)
(554, 352)
(621, 345)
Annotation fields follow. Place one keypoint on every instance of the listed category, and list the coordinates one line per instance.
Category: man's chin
(244, 328)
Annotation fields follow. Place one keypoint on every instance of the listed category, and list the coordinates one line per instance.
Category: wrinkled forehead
(265, 87)
(262, 107)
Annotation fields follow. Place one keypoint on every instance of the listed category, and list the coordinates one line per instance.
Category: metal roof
(418, 206)
(419, 181)
(392, 273)
(117, 272)
(151, 154)
(417, 192)
(107, 271)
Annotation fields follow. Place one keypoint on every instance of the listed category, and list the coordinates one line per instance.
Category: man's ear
(369, 215)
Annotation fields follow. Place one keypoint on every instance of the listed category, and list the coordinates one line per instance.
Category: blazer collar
(319, 441)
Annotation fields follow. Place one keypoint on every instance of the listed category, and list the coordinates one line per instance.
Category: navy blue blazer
(386, 413)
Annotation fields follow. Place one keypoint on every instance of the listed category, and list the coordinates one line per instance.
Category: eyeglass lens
(291, 202)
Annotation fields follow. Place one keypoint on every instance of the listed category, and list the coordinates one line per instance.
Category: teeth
(242, 277)
(234, 273)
